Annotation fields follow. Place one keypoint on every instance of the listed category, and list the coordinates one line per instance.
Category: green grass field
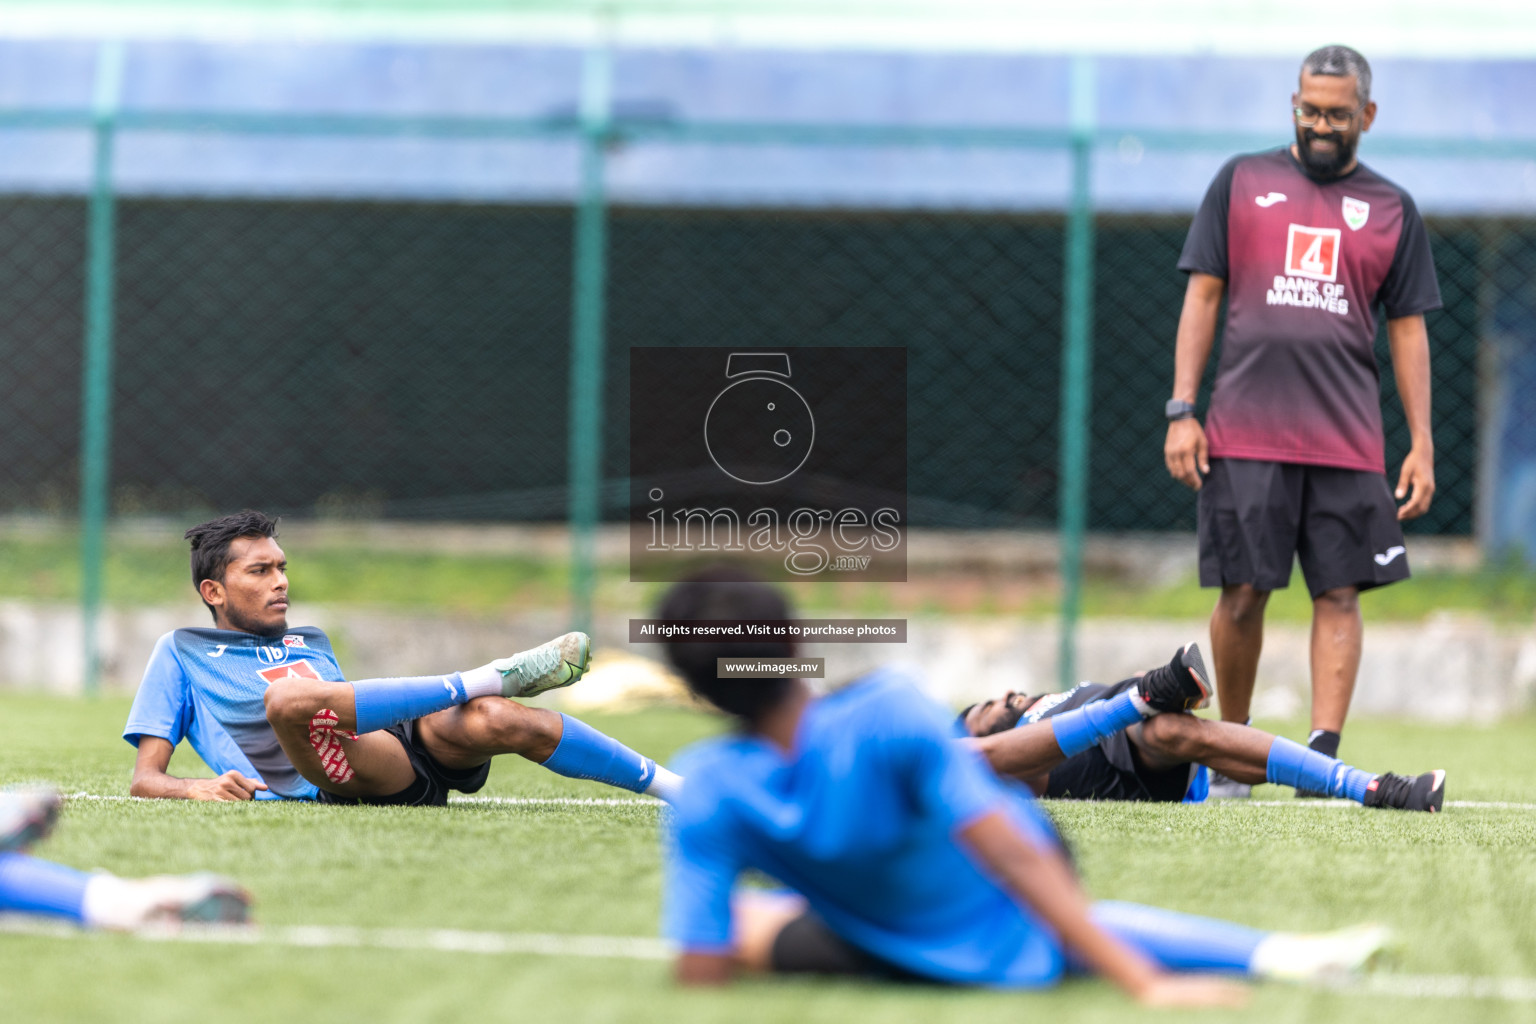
(1460, 888)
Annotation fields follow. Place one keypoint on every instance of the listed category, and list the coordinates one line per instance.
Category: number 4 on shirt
(1312, 252)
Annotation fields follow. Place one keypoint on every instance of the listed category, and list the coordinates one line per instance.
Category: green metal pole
(1076, 367)
(96, 382)
(587, 335)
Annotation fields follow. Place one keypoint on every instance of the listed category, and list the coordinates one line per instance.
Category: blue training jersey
(861, 819)
(206, 686)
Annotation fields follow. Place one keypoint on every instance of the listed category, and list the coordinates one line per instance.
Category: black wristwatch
(1178, 409)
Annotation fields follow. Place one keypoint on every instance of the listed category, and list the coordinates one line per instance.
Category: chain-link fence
(389, 358)
(411, 360)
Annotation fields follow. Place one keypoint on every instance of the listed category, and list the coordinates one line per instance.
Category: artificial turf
(1459, 888)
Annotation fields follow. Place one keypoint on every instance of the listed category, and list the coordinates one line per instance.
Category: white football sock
(484, 681)
(666, 785)
(118, 904)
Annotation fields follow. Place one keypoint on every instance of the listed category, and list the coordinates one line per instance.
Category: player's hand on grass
(1416, 482)
(1187, 991)
(1186, 452)
(229, 786)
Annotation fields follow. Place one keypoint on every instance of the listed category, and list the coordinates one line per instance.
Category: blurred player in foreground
(907, 856)
(29, 885)
(266, 706)
(1154, 755)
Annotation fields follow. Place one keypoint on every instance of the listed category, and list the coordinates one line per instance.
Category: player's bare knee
(289, 703)
(508, 724)
(1243, 603)
(1171, 735)
(1342, 601)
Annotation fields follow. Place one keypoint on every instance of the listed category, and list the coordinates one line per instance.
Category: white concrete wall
(1449, 668)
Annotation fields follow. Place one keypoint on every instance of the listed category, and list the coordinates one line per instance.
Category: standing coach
(1305, 242)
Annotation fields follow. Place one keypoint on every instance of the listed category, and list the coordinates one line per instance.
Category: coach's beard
(1324, 166)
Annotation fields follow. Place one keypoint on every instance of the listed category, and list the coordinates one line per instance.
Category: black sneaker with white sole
(1421, 793)
(1181, 685)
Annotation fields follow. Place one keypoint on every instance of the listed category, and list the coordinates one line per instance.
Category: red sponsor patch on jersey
(1312, 252)
(301, 668)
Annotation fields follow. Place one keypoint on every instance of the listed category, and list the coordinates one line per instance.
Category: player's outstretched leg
(1186, 942)
(467, 737)
(1251, 756)
(1291, 764)
(30, 885)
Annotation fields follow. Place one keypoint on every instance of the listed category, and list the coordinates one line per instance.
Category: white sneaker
(547, 667)
(26, 816)
(1290, 956)
(1223, 788)
(131, 904)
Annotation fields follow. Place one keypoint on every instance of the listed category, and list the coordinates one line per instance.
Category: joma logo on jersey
(1312, 252)
(299, 668)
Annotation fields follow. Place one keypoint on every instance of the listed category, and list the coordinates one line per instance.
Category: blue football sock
(585, 753)
(1078, 730)
(32, 886)
(1180, 942)
(381, 703)
(1291, 764)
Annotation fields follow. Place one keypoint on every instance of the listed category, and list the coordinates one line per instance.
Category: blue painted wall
(1451, 100)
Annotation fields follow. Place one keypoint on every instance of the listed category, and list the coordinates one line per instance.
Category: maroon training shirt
(1306, 262)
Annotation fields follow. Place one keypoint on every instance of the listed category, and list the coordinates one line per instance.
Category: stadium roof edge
(1476, 29)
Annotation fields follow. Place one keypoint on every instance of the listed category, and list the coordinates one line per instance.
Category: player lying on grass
(906, 855)
(1126, 746)
(267, 708)
(29, 885)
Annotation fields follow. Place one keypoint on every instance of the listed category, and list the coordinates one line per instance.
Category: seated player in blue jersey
(267, 708)
(1154, 755)
(30, 885)
(906, 856)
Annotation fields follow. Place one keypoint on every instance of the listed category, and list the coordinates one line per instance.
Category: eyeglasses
(1338, 120)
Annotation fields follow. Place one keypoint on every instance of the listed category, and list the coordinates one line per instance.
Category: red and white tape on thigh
(323, 736)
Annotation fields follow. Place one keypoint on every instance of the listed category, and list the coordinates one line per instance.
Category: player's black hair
(211, 541)
(728, 593)
(960, 718)
(1341, 62)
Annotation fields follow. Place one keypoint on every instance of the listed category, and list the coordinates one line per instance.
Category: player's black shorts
(1341, 524)
(433, 781)
(1111, 770)
(807, 946)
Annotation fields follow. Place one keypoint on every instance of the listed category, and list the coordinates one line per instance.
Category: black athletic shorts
(1110, 770)
(1341, 524)
(432, 783)
(807, 946)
